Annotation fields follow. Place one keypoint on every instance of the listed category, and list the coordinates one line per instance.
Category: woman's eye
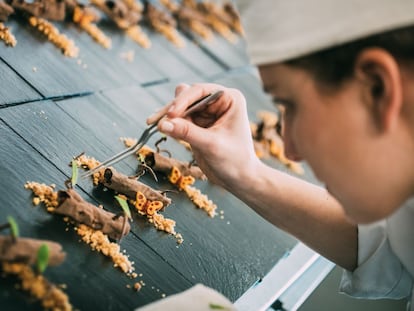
(284, 103)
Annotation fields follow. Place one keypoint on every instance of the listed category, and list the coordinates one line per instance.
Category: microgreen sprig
(42, 258)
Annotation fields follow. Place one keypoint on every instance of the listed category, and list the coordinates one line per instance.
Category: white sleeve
(199, 297)
(380, 273)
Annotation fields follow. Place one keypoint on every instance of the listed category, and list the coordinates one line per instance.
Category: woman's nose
(290, 149)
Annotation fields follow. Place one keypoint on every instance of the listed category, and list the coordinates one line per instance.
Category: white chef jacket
(385, 259)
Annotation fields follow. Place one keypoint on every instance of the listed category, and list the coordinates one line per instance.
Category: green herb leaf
(74, 173)
(124, 206)
(42, 258)
(214, 306)
(14, 228)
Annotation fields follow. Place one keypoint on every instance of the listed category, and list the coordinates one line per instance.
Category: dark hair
(335, 65)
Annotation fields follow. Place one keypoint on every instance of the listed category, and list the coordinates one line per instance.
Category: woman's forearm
(302, 209)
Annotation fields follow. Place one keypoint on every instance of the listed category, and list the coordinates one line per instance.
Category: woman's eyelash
(282, 102)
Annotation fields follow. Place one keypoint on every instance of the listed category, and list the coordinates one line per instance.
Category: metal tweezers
(151, 129)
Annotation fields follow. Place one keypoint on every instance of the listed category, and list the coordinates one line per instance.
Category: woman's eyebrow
(269, 89)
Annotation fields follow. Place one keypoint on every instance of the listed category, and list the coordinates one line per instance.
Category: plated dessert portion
(169, 18)
(26, 259)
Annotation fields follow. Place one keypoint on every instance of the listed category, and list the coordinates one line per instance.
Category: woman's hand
(219, 135)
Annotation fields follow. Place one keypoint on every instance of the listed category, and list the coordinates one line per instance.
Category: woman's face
(334, 132)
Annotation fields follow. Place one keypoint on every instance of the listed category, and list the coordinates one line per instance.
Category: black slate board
(54, 75)
(228, 54)
(14, 89)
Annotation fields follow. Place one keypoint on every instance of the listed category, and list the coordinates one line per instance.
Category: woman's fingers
(181, 87)
(158, 114)
(188, 96)
(185, 96)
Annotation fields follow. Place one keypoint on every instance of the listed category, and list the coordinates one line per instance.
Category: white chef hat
(281, 30)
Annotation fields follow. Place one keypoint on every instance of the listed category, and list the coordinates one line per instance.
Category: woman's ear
(380, 75)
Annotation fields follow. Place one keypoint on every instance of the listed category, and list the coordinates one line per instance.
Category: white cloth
(197, 298)
(280, 30)
(385, 259)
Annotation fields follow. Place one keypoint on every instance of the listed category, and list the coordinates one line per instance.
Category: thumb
(183, 130)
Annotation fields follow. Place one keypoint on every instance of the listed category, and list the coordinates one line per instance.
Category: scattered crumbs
(85, 66)
(134, 275)
(179, 238)
(228, 222)
(140, 275)
(163, 295)
(128, 56)
(221, 212)
(41, 114)
(128, 286)
(201, 200)
(221, 217)
(34, 69)
(45, 194)
(158, 290)
(137, 287)
(36, 201)
(100, 242)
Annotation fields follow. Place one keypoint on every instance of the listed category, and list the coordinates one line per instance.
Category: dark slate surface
(231, 55)
(137, 71)
(52, 74)
(201, 62)
(165, 60)
(89, 109)
(14, 89)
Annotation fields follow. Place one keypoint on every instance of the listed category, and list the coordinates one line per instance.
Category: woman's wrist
(245, 177)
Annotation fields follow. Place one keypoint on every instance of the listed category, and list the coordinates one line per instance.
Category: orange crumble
(50, 296)
(66, 45)
(199, 199)
(7, 36)
(99, 241)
